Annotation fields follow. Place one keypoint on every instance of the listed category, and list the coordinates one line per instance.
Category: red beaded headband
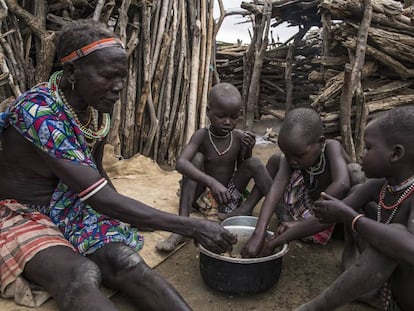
(92, 47)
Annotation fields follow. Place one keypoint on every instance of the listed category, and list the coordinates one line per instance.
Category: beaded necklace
(91, 135)
(397, 188)
(217, 136)
(395, 207)
(211, 135)
(317, 169)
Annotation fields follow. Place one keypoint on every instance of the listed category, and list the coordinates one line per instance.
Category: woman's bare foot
(170, 243)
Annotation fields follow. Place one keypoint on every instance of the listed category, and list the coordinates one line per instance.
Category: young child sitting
(387, 262)
(308, 165)
(217, 163)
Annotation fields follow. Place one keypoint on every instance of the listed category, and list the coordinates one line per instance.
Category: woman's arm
(109, 202)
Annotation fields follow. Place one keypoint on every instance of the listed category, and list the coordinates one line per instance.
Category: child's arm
(338, 188)
(255, 243)
(340, 183)
(248, 142)
(312, 225)
(394, 240)
(186, 167)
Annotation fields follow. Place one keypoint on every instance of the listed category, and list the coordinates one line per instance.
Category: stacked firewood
(387, 78)
(170, 52)
(272, 96)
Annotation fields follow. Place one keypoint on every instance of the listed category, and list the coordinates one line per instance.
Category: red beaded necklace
(406, 194)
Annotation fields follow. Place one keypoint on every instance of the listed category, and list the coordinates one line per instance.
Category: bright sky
(234, 26)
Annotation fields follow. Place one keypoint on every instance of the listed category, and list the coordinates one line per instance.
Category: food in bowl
(232, 274)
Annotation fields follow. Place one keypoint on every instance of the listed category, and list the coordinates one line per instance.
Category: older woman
(53, 188)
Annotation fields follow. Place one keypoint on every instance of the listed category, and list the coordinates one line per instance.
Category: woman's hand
(213, 236)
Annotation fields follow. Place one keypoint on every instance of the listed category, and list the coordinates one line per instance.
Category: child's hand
(249, 140)
(267, 249)
(284, 226)
(252, 247)
(220, 193)
(330, 210)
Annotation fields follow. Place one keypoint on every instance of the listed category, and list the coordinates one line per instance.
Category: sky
(234, 26)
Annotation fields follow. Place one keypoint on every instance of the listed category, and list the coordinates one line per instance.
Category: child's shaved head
(223, 92)
(305, 120)
(397, 126)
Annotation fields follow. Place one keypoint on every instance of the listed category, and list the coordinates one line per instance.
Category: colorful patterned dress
(47, 123)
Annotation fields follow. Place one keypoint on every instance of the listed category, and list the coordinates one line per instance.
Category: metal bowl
(241, 275)
(249, 221)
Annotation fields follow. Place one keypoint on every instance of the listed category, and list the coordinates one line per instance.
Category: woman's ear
(398, 152)
(69, 69)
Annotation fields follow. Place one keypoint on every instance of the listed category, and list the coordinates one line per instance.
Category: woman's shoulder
(33, 99)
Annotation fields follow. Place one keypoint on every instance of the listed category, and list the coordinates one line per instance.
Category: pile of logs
(169, 45)
(363, 65)
(358, 63)
(272, 96)
(388, 73)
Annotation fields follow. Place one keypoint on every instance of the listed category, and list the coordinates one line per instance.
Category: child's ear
(398, 152)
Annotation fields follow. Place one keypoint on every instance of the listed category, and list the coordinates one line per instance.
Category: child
(218, 158)
(389, 256)
(308, 165)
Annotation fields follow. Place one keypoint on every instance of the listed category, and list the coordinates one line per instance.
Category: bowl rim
(281, 253)
(240, 217)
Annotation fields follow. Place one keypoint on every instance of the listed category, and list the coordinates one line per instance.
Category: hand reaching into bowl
(253, 246)
(214, 237)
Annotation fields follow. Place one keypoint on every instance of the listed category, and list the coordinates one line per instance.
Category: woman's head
(301, 137)
(94, 63)
(79, 33)
(223, 109)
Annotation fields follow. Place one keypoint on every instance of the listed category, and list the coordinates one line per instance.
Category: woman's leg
(123, 269)
(70, 278)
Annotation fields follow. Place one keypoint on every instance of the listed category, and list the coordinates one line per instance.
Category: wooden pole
(352, 79)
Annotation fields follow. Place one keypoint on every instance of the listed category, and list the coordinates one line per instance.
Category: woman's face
(100, 77)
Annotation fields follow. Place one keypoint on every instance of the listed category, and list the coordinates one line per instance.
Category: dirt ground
(306, 269)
